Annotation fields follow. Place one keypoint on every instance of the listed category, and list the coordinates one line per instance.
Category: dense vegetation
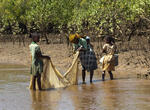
(121, 18)
(125, 20)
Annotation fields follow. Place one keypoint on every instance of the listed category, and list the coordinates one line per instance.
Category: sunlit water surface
(118, 94)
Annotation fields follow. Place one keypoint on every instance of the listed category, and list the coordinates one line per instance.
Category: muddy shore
(62, 57)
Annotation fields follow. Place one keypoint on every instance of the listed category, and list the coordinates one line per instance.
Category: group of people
(86, 54)
(88, 58)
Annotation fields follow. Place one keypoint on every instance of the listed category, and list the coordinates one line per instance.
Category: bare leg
(83, 75)
(103, 76)
(33, 82)
(91, 75)
(111, 75)
(39, 81)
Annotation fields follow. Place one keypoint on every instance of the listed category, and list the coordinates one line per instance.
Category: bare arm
(103, 49)
(43, 56)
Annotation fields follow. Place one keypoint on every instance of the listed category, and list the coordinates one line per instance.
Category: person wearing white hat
(91, 60)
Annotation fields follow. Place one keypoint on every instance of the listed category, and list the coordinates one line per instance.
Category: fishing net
(52, 78)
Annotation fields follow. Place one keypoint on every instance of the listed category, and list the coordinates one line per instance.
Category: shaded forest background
(120, 18)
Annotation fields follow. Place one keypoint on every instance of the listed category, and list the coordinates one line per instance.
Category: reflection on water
(44, 100)
(120, 94)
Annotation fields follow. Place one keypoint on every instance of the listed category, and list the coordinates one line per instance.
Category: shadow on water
(98, 81)
(50, 89)
(122, 93)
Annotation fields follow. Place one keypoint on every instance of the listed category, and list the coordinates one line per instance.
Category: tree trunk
(46, 39)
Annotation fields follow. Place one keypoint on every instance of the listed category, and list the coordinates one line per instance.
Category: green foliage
(103, 16)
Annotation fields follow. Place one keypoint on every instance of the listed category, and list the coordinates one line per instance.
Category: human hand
(48, 57)
(79, 48)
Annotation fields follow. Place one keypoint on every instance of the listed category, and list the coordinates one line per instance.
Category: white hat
(87, 38)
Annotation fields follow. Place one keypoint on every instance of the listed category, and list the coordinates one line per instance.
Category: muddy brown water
(118, 94)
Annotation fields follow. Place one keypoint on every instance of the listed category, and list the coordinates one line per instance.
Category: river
(126, 93)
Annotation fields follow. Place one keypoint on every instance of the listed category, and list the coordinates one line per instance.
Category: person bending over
(80, 44)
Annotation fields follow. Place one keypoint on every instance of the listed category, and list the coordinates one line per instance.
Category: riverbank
(62, 57)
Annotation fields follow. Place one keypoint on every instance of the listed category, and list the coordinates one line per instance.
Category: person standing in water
(80, 44)
(108, 64)
(92, 60)
(37, 63)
